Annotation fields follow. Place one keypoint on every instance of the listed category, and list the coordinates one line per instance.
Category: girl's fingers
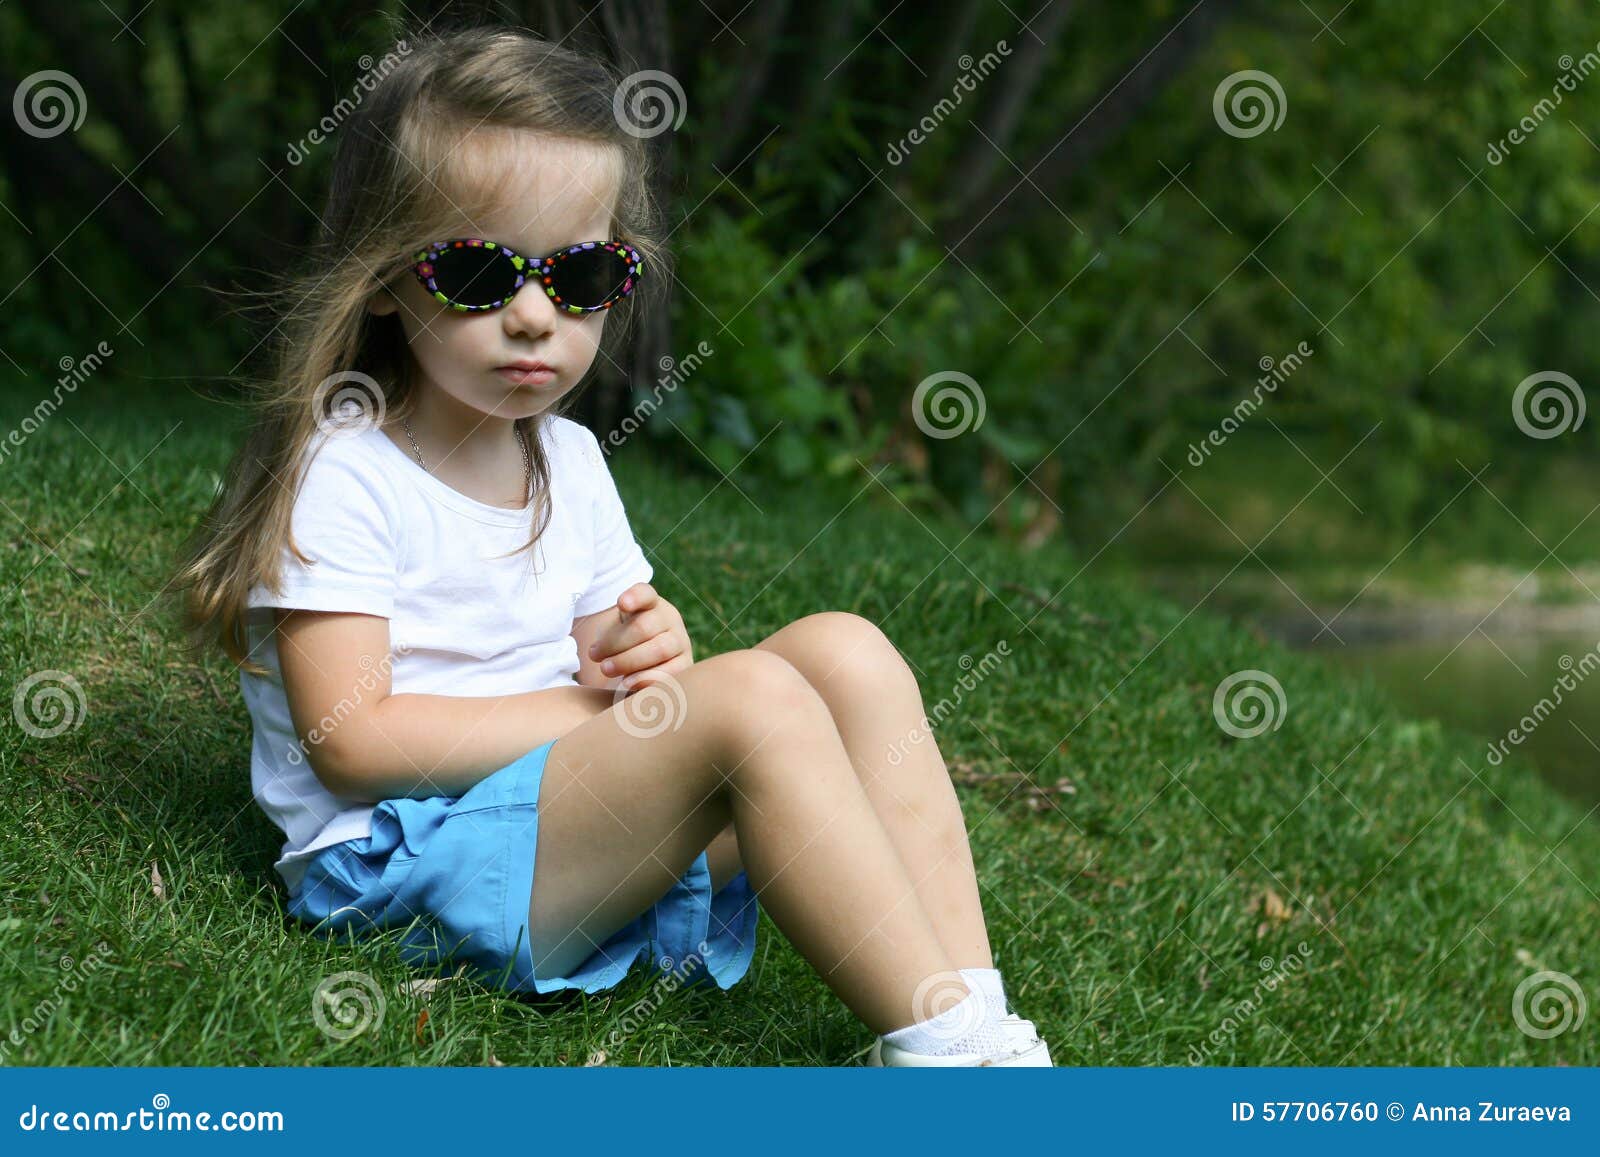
(651, 653)
(637, 598)
(651, 675)
(621, 636)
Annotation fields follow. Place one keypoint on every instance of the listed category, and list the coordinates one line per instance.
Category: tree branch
(1105, 119)
(740, 108)
(994, 129)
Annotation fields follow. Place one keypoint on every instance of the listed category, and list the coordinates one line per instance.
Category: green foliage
(1110, 316)
(1427, 281)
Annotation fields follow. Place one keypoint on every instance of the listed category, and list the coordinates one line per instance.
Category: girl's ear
(382, 303)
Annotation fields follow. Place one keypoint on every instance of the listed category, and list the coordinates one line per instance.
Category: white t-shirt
(390, 539)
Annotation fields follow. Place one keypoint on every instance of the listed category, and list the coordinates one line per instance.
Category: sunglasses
(470, 274)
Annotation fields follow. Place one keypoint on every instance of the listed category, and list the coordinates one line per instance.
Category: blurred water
(1488, 686)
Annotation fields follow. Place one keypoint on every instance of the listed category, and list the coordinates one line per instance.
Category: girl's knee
(756, 678)
(854, 649)
(748, 695)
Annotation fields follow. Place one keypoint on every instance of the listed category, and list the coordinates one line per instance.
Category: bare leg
(630, 799)
(877, 707)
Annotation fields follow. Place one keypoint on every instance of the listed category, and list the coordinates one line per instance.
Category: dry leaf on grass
(1036, 795)
(1273, 911)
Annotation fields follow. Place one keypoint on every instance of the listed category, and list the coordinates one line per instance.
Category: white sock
(988, 982)
(971, 1025)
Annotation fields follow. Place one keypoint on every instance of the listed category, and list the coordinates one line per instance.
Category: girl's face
(563, 192)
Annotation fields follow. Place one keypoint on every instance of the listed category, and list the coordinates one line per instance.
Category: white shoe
(1022, 1034)
(1034, 1054)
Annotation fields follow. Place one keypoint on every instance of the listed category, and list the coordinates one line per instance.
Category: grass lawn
(1149, 878)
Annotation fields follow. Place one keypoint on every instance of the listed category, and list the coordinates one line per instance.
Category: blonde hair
(401, 179)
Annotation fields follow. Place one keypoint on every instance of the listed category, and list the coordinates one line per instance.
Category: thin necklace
(516, 432)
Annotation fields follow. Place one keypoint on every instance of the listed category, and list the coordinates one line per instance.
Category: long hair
(404, 174)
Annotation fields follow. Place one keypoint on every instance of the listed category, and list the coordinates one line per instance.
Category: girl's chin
(510, 400)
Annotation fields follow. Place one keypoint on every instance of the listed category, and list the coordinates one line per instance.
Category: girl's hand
(648, 640)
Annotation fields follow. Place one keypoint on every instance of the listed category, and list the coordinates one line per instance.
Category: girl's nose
(530, 313)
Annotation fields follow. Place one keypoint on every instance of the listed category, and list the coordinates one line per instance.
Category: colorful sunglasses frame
(541, 267)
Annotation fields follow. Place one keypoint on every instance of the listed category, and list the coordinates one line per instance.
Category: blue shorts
(456, 874)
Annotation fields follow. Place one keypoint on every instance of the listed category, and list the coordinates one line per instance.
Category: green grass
(1130, 914)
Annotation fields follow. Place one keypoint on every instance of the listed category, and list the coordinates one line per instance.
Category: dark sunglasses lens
(474, 275)
(589, 278)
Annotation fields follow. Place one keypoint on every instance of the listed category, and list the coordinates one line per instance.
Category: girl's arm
(366, 744)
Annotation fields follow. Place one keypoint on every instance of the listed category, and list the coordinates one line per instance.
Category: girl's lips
(541, 376)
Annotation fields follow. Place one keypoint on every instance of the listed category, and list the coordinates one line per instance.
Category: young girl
(474, 718)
